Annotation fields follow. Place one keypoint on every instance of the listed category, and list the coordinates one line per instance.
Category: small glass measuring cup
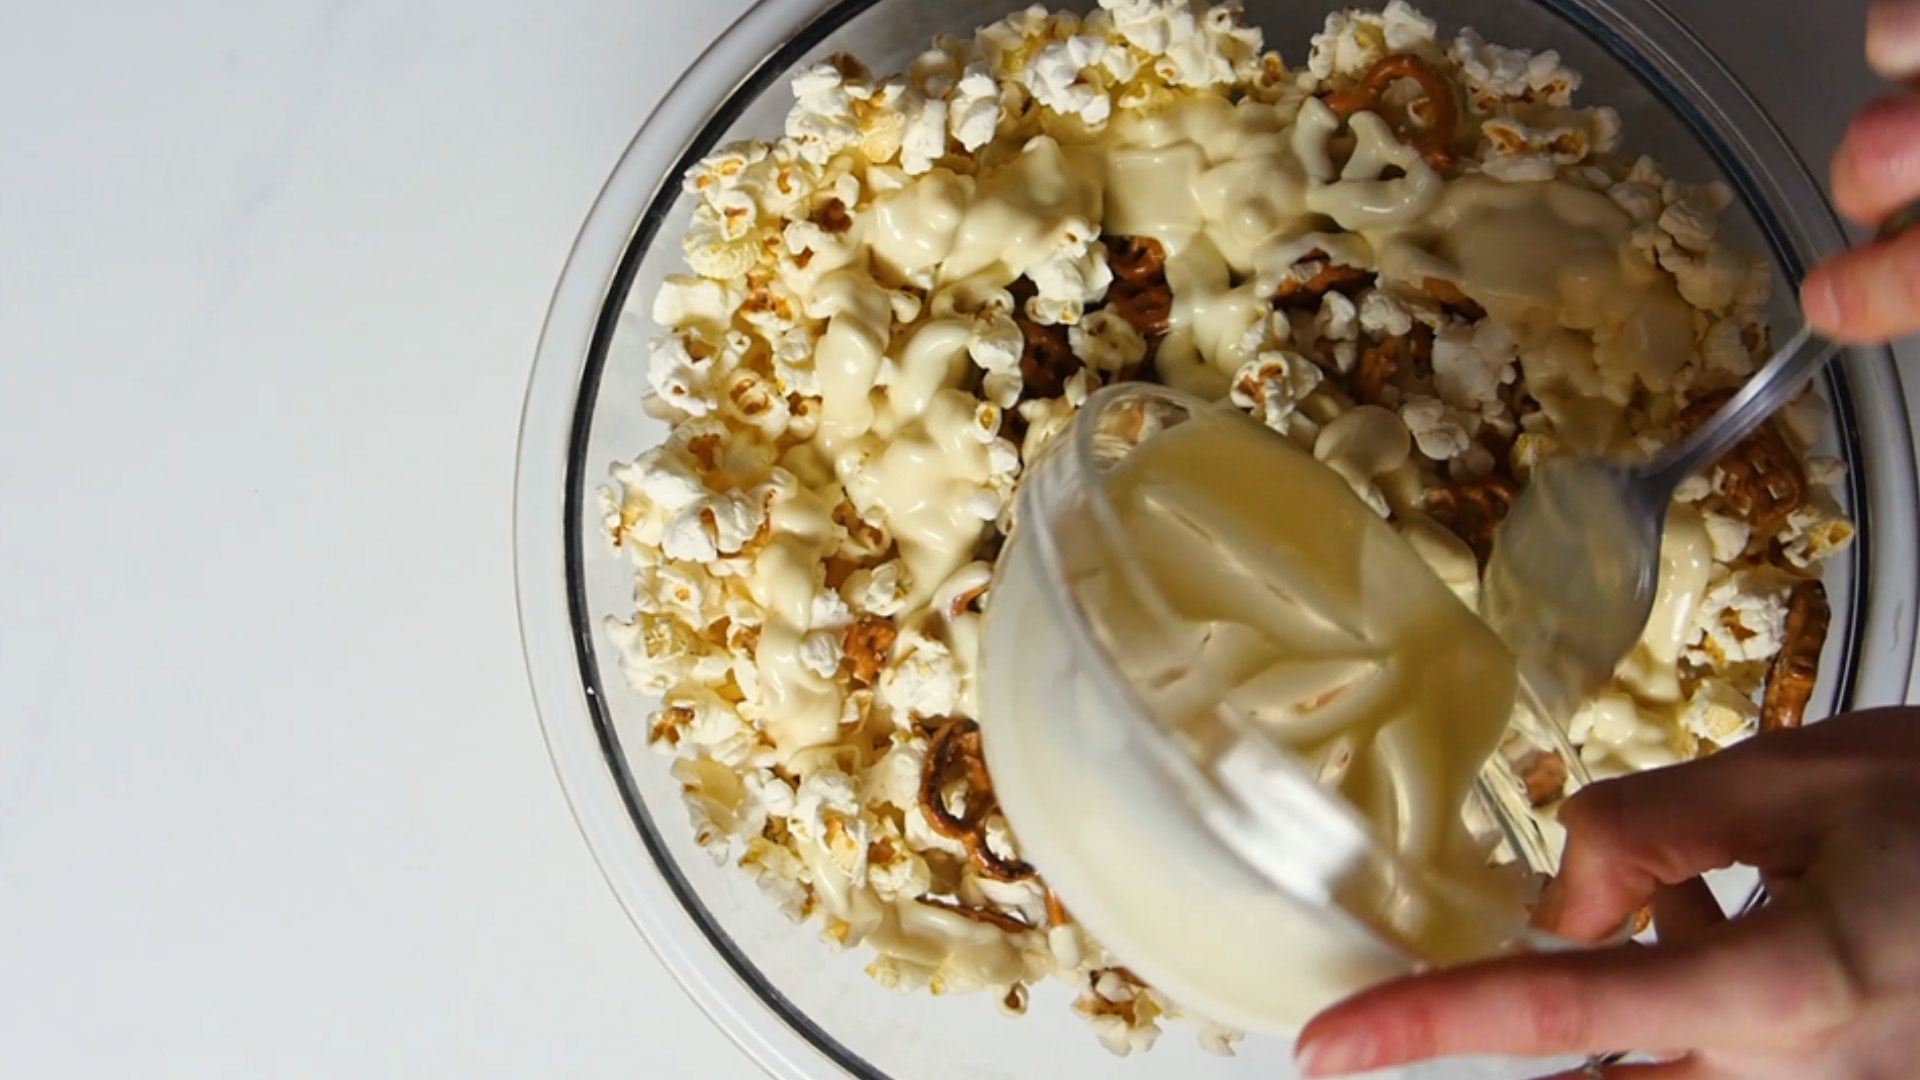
(1131, 819)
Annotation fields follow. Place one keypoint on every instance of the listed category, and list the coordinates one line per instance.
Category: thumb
(1766, 803)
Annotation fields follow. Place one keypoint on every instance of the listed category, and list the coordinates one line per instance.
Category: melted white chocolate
(1236, 193)
(1295, 605)
(1261, 584)
(803, 709)
(1652, 669)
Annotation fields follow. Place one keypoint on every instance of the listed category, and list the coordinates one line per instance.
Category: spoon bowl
(1572, 579)
(1576, 564)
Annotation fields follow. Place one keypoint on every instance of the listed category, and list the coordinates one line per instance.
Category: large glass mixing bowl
(796, 1008)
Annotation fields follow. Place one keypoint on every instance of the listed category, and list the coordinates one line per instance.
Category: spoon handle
(1792, 365)
(1776, 384)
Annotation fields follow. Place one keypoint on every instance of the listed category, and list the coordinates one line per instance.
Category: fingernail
(1335, 1055)
(1893, 38)
(1821, 302)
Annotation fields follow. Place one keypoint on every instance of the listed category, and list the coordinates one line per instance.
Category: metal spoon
(1575, 566)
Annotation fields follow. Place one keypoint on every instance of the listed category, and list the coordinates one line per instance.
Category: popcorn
(1742, 618)
(1693, 220)
(664, 476)
(1123, 1014)
(1496, 76)
(1353, 41)
(934, 72)
(822, 123)
(974, 112)
(1692, 489)
(1824, 471)
(1338, 319)
(758, 402)
(924, 140)
(821, 652)
(679, 368)
(1218, 1039)
(1074, 275)
(707, 723)
(702, 304)
(1591, 132)
(1009, 42)
(1641, 201)
(882, 590)
(718, 804)
(1192, 46)
(1214, 53)
(720, 243)
(1727, 535)
(681, 591)
(1272, 386)
(1471, 364)
(1077, 389)
(1710, 281)
(1437, 433)
(897, 872)
(1724, 351)
(995, 344)
(1815, 533)
(659, 652)
(1105, 342)
(924, 682)
(714, 525)
(1719, 714)
(826, 814)
(1805, 419)
(894, 780)
(780, 874)
(723, 169)
(1382, 316)
(1061, 79)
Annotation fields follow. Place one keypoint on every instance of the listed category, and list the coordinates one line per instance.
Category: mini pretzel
(1140, 293)
(1763, 480)
(1335, 277)
(1377, 367)
(1056, 911)
(1148, 306)
(1791, 675)
(964, 602)
(955, 750)
(1047, 361)
(992, 918)
(1438, 120)
(1449, 295)
(1473, 510)
(1380, 364)
(1137, 259)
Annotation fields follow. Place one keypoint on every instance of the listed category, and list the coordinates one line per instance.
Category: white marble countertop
(273, 801)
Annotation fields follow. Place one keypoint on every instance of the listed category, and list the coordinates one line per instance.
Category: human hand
(1823, 982)
(1872, 294)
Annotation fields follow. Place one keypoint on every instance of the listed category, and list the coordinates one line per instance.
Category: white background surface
(273, 800)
